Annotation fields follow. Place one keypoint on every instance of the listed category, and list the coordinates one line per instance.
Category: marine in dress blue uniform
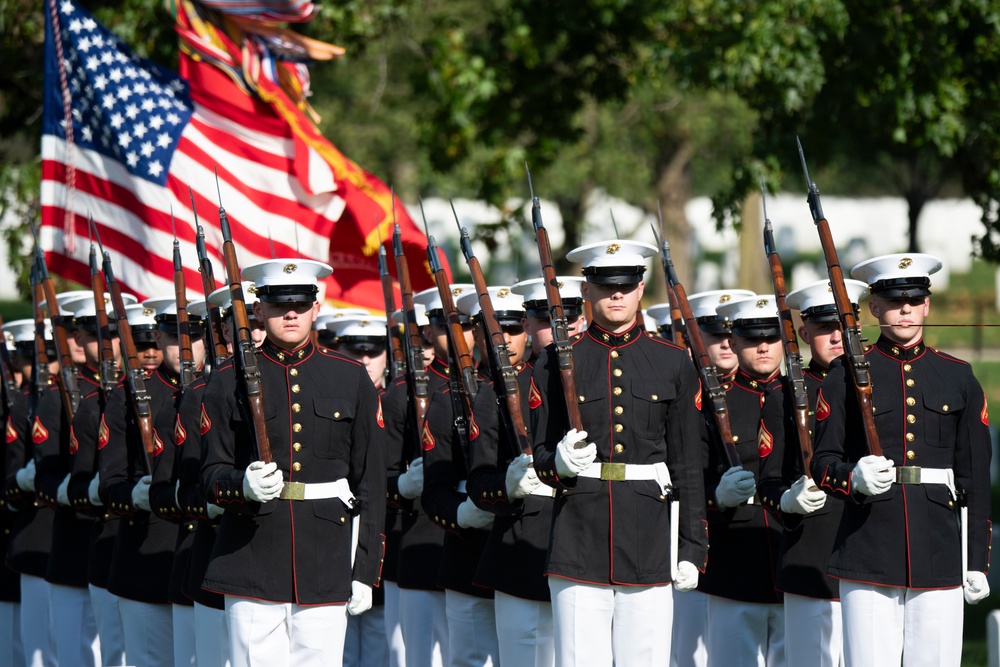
(300, 541)
(899, 550)
(745, 616)
(813, 628)
(638, 399)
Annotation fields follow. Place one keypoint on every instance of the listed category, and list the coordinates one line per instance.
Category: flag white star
(130, 72)
(100, 82)
(116, 75)
(75, 26)
(124, 93)
(173, 118)
(116, 120)
(139, 88)
(163, 140)
(89, 24)
(148, 105)
(147, 148)
(66, 7)
(83, 44)
(93, 63)
(155, 169)
(108, 101)
(86, 133)
(132, 158)
(155, 122)
(131, 111)
(124, 139)
(139, 130)
(106, 58)
(77, 116)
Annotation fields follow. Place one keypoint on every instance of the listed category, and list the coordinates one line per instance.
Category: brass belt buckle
(908, 475)
(614, 472)
(293, 491)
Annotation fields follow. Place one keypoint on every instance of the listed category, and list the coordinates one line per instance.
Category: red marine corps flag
(124, 139)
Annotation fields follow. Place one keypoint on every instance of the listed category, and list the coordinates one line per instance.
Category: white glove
(686, 578)
(95, 498)
(873, 475)
(62, 493)
(521, 478)
(361, 598)
(140, 492)
(976, 586)
(411, 482)
(213, 511)
(571, 461)
(735, 488)
(800, 499)
(260, 484)
(470, 516)
(25, 477)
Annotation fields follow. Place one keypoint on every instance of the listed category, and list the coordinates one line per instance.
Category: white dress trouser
(36, 635)
(598, 625)
(184, 645)
(425, 627)
(472, 631)
(364, 645)
(108, 617)
(281, 634)
(211, 636)
(883, 624)
(149, 633)
(524, 630)
(687, 646)
(11, 650)
(745, 634)
(393, 628)
(74, 630)
(814, 632)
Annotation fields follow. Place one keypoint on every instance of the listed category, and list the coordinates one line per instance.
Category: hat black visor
(757, 328)
(614, 275)
(288, 293)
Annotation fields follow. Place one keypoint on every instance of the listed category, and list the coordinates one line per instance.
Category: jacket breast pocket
(334, 421)
(650, 402)
(942, 413)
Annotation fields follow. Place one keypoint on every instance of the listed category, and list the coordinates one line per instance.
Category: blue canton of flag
(125, 107)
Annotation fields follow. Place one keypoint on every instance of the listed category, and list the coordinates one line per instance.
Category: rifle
(245, 351)
(463, 376)
(139, 399)
(676, 317)
(69, 388)
(504, 374)
(860, 377)
(396, 358)
(213, 314)
(9, 387)
(793, 359)
(183, 327)
(416, 377)
(560, 327)
(706, 369)
(40, 378)
(108, 369)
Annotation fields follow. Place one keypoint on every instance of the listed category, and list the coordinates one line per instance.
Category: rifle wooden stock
(676, 319)
(40, 377)
(416, 376)
(187, 369)
(108, 369)
(504, 373)
(860, 375)
(793, 358)
(396, 359)
(461, 357)
(244, 349)
(69, 388)
(557, 316)
(710, 384)
(135, 379)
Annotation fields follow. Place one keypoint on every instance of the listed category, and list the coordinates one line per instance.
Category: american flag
(124, 139)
